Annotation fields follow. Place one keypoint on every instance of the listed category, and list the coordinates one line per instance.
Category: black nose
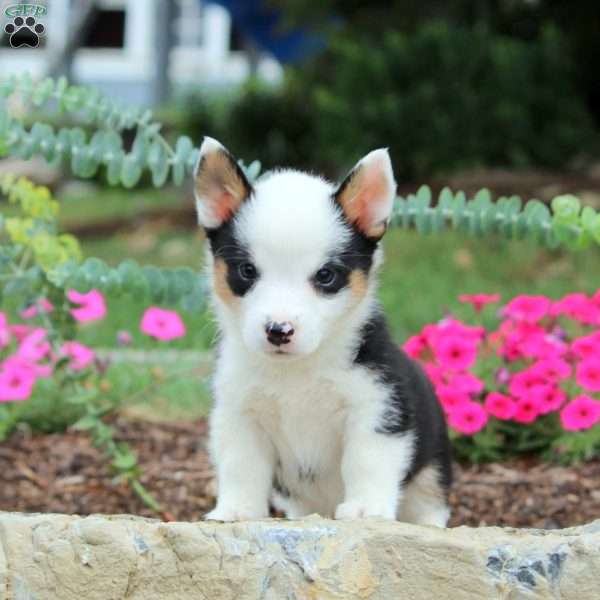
(279, 333)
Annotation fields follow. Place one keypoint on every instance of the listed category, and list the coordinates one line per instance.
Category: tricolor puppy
(316, 410)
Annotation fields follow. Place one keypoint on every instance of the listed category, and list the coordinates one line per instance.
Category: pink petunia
(434, 372)
(457, 328)
(549, 398)
(587, 374)
(587, 346)
(579, 307)
(92, 305)
(527, 410)
(41, 305)
(552, 369)
(521, 339)
(581, 413)
(124, 338)
(524, 382)
(34, 347)
(466, 383)
(415, 345)
(162, 324)
(479, 301)
(530, 309)
(16, 381)
(20, 331)
(450, 398)
(500, 406)
(502, 376)
(80, 356)
(468, 418)
(5, 334)
(455, 352)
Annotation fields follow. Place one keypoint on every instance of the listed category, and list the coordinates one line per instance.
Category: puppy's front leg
(244, 460)
(373, 468)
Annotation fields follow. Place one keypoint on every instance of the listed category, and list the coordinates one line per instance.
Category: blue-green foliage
(85, 153)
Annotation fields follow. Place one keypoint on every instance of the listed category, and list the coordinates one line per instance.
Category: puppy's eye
(248, 271)
(325, 277)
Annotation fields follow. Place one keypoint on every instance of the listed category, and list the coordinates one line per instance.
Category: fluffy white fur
(311, 410)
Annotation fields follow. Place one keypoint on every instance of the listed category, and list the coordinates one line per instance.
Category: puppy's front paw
(357, 509)
(239, 513)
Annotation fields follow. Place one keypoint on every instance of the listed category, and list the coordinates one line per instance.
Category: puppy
(316, 409)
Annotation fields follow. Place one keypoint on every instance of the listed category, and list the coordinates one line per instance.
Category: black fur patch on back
(225, 245)
(412, 404)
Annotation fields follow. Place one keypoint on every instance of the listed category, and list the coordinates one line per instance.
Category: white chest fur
(302, 408)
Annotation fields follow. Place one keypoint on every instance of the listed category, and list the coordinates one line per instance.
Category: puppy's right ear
(220, 186)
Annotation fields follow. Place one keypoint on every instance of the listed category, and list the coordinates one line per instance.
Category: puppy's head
(293, 255)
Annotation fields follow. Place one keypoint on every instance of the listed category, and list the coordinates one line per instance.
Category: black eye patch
(241, 271)
(357, 255)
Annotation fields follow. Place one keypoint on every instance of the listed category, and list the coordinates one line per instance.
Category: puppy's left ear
(367, 194)
(220, 186)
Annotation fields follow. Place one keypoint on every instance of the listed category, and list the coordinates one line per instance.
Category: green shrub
(445, 98)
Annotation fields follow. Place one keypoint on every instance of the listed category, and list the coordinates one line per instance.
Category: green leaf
(114, 166)
(156, 283)
(87, 422)
(159, 163)
(566, 209)
(124, 461)
(131, 171)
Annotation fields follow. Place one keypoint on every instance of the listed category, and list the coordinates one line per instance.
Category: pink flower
(521, 339)
(479, 301)
(450, 398)
(34, 347)
(457, 328)
(581, 413)
(81, 356)
(16, 381)
(579, 307)
(42, 305)
(588, 374)
(4, 331)
(527, 410)
(454, 352)
(124, 338)
(502, 376)
(92, 306)
(466, 383)
(530, 309)
(20, 331)
(549, 398)
(551, 369)
(162, 324)
(468, 418)
(524, 382)
(415, 345)
(500, 406)
(586, 346)
(435, 373)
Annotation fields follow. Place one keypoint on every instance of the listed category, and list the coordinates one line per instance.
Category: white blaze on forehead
(291, 222)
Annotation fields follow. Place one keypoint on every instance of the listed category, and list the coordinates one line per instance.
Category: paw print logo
(24, 32)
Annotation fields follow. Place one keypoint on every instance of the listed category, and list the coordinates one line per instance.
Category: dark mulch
(64, 473)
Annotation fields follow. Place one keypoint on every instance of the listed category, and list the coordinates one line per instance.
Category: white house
(120, 51)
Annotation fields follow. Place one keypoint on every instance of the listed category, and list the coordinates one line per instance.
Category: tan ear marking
(367, 194)
(220, 185)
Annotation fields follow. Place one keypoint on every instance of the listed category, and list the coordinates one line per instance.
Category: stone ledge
(115, 557)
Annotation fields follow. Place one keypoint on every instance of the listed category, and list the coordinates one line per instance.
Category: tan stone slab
(103, 558)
